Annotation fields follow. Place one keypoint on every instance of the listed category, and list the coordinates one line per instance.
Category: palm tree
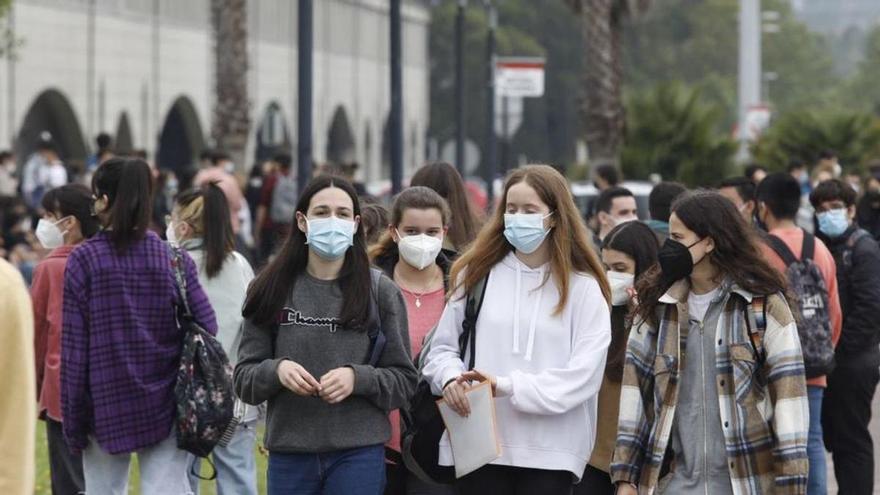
(231, 125)
(601, 106)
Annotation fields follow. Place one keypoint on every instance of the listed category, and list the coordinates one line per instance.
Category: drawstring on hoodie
(530, 346)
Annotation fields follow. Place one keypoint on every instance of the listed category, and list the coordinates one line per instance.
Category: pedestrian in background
(544, 355)
(846, 407)
(121, 344)
(410, 253)
(627, 253)
(306, 349)
(464, 222)
(66, 223)
(713, 348)
(812, 276)
(199, 224)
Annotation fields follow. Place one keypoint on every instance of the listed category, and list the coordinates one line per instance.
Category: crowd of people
(720, 345)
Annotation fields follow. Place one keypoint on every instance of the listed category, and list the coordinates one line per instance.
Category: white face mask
(419, 251)
(170, 234)
(620, 285)
(49, 235)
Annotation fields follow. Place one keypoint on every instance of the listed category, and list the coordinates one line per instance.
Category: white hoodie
(549, 368)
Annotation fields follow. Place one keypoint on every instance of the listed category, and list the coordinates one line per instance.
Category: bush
(672, 133)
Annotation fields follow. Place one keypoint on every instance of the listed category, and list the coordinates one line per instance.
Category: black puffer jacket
(859, 287)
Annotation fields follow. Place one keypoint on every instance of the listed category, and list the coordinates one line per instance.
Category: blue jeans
(818, 484)
(344, 472)
(236, 464)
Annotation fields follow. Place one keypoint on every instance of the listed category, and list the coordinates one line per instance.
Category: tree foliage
(855, 136)
(672, 132)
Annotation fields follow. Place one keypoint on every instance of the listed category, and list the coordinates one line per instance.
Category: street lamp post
(304, 95)
(396, 101)
(459, 87)
(491, 164)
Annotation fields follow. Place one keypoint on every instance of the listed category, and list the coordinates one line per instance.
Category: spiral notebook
(474, 439)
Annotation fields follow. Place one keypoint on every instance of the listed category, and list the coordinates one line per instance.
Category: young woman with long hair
(199, 223)
(628, 251)
(121, 345)
(66, 223)
(306, 349)
(410, 253)
(447, 182)
(713, 398)
(541, 337)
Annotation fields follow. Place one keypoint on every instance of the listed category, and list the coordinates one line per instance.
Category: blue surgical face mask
(833, 223)
(330, 237)
(525, 231)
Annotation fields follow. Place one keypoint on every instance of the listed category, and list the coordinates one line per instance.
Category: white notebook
(474, 439)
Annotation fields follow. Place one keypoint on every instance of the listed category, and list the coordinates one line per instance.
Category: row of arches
(181, 138)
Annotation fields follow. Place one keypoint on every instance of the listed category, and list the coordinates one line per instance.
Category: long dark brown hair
(639, 242)
(570, 247)
(268, 293)
(737, 252)
(128, 185)
(445, 179)
(206, 211)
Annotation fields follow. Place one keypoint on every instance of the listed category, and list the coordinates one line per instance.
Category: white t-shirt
(698, 304)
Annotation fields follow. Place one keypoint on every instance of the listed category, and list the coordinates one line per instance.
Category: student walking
(629, 250)
(541, 337)
(464, 223)
(812, 277)
(410, 253)
(311, 347)
(121, 344)
(200, 224)
(713, 397)
(846, 407)
(66, 223)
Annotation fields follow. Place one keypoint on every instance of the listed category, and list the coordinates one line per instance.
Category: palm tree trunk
(601, 107)
(231, 125)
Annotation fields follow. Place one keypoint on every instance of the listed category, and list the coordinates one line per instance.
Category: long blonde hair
(570, 246)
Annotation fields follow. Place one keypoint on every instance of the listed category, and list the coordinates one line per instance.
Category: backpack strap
(471, 313)
(781, 248)
(179, 279)
(377, 336)
(809, 247)
(757, 313)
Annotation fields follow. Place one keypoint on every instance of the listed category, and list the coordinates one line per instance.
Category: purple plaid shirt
(120, 343)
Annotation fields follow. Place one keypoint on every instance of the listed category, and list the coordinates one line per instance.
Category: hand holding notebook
(474, 438)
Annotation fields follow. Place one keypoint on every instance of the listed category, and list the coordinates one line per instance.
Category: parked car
(585, 195)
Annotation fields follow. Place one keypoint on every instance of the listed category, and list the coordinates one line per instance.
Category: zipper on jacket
(705, 427)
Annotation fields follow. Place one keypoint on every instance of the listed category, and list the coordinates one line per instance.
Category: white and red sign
(519, 77)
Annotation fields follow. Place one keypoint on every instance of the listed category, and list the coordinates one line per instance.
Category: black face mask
(675, 260)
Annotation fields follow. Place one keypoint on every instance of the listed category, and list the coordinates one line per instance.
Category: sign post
(515, 78)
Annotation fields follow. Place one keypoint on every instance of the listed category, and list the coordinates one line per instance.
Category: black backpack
(808, 285)
(422, 424)
(203, 392)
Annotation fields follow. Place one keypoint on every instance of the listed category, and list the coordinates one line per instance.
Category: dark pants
(360, 471)
(506, 480)
(594, 482)
(845, 416)
(66, 468)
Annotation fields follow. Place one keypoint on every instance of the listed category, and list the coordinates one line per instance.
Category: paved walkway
(875, 433)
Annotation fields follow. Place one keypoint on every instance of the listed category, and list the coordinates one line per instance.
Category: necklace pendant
(418, 303)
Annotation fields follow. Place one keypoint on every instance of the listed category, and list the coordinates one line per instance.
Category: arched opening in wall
(181, 139)
(272, 134)
(52, 115)
(340, 139)
(123, 143)
(368, 151)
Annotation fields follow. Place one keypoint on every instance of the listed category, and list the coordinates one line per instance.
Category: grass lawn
(44, 486)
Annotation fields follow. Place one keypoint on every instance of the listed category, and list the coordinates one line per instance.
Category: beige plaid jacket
(763, 400)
